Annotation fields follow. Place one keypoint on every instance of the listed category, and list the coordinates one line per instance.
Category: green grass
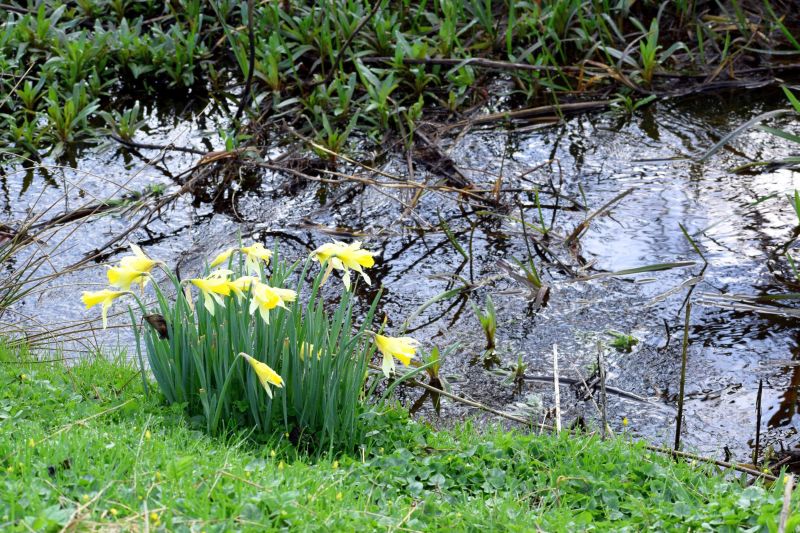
(139, 465)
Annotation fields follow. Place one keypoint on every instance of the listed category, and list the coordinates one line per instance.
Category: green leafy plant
(622, 342)
(628, 105)
(125, 124)
(379, 91)
(648, 48)
(488, 320)
(517, 375)
(30, 94)
(68, 117)
(334, 139)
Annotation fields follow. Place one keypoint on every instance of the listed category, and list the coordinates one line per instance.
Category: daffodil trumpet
(253, 256)
(403, 349)
(105, 297)
(342, 256)
(213, 287)
(266, 375)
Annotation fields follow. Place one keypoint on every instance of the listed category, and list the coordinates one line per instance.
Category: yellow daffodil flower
(138, 261)
(214, 287)
(241, 284)
(253, 254)
(105, 297)
(122, 277)
(131, 269)
(343, 256)
(265, 374)
(308, 348)
(222, 257)
(305, 349)
(265, 298)
(402, 348)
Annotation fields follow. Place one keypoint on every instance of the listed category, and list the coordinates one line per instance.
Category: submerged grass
(82, 447)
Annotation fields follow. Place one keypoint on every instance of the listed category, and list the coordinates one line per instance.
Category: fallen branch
(166, 147)
(535, 112)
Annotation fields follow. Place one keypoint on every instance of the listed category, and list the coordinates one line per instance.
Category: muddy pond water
(742, 224)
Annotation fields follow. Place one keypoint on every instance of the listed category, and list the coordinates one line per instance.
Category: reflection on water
(594, 158)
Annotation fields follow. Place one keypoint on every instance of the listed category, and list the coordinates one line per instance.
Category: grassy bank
(82, 447)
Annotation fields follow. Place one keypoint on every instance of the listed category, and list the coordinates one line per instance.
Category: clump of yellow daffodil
(320, 352)
(105, 297)
(265, 374)
(343, 256)
(402, 348)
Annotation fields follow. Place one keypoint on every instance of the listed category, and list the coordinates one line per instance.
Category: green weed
(488, 320)
(622, 342)
(385, 81)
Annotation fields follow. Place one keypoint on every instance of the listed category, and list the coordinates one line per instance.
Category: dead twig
(788, 480)
(534, 112)
(165, 147)
(556, 389)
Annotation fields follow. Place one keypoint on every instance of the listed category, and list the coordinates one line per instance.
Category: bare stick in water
(556, 389)
(758, 421)
(601, 369)
(684, 356)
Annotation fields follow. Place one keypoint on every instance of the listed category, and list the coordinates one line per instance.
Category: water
(593, 159)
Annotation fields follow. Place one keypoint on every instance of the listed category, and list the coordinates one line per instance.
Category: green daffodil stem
(139, 355)
(223, 392)
(143, 309)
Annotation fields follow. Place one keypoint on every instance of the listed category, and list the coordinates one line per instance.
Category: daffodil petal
(222, 257)
(388, 365)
